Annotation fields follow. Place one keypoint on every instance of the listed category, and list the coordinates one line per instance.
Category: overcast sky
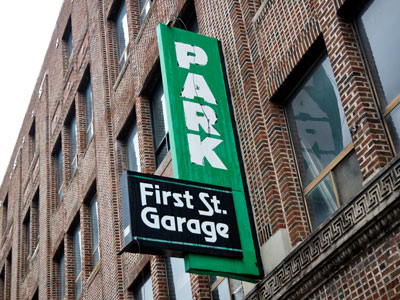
(26, 27)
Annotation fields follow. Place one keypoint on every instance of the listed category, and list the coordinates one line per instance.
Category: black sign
(166, 216)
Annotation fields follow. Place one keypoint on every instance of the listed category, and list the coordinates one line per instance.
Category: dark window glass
(145, 290)
(132, 145)
(35, 221)
(89, 112)
(322, 142)
(178, 280)
(321, 202)
(61, 276)
(160, 125)
(346, 171)
(73, 144)
(32, 141)
(94, 225)
(5, 214)
(77, 262)
(380, 43)
(376, 19)
(121, 23)
(144, 8)
(225, 289)
(316, 119)
(59, 165)
(67, 38)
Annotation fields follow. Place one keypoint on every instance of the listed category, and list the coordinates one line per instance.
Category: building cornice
(353, 228)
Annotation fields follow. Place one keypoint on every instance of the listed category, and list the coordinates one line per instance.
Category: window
(73, 139)
(144, 291)
(160, 125)
(35, 212)
(8, 276)
(5, 214)
(225, 289)
(89, 112)
(77, 262)
(121, 25)
(144, 9)
(94, 226)
(381, 53)
(60, 264)
(67, 39)
(132, 149)
(178, 280)
(328, 169)
(26, 240)
(58, 170)
(2, 284)
(36, 295)
(32, 141)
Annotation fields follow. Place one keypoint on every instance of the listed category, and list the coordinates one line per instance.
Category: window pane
(59, 158)
(178, 280)
(77, 261)
(160, 124)
(236, 289)
(122, 31)
(69, 44)
(221, 292)
(378, 18)
(144, 9)
(94, 225)
(348, 178)
(89, 112)
(145, 290)
(133, 149)
(78, 288)
(393, 123)
(316, 120)
(61, 267)
(159, 112)
(74, 145)
(321, 202)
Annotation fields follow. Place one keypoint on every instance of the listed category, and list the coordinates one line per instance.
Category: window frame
(144, 11)
(60, 262)
(164, 141)
(132, 121)
(214, 285)
(122, 54)
(169, 261)
(78, 276)
(72, 127)
(27, 231)
(328, 170)
(68, 42)
(32, 141)
(392, 103)
(58, 169)
(94, 248)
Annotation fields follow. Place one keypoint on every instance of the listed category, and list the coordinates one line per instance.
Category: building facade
(315, 94)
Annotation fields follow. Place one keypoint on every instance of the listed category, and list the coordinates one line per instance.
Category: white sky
(26, 27)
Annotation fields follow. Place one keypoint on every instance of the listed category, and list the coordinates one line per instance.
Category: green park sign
(203, 139)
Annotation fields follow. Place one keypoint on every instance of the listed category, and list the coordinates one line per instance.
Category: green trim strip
(184, 243)
(184, 184)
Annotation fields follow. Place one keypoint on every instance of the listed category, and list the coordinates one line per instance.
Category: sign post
(204, 146)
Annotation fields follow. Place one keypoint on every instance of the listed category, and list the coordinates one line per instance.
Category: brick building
(315, 94)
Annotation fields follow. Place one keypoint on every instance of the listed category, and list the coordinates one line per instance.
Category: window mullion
(328, 168)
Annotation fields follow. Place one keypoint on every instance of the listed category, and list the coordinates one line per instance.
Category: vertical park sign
(203, 139)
